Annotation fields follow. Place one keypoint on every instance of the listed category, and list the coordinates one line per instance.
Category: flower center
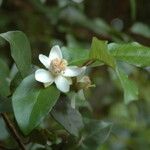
(58, 65)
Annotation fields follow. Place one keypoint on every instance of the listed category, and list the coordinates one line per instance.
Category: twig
(3, 147)
(87, 63)
(13, 131)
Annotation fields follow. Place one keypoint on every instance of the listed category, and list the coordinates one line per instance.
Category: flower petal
(62, 84)
(69, 80)
(44, 76)
(44, 60)
(55, 53)
(73, 71)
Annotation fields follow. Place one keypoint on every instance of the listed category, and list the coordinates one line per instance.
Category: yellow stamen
(58, 65)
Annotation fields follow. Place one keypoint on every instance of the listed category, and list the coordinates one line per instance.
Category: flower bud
(85, 82)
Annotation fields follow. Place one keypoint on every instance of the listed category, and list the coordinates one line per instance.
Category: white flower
(57, 71)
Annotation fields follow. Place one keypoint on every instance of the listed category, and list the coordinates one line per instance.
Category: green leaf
(129, 87)
(13, 72)
(78, 99)
(31, 103)
(132, 53)
(4, 67)
(75, 56)
(68, 117)
(20, 50)
(4, 81)
(141, 29)
(99, 51)
(5, 105)
(3, 130)
(95, 133)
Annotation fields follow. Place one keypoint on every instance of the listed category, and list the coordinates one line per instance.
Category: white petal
(44, 60)
(62, 84)
(44, 76)
(55, 53)
(73, 71)
(80, 77)
(69, 80)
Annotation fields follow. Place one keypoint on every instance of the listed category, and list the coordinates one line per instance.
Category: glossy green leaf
(132, 53)
(99, 51)
(4, 80)
(68, 117)
(20, 50)
(31, 103)
(95, 133)
(129, 87)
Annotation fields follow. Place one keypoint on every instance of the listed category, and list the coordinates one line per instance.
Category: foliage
(88, 117)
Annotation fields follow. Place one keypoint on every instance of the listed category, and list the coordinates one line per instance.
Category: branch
(13, 131)
(3, 147)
